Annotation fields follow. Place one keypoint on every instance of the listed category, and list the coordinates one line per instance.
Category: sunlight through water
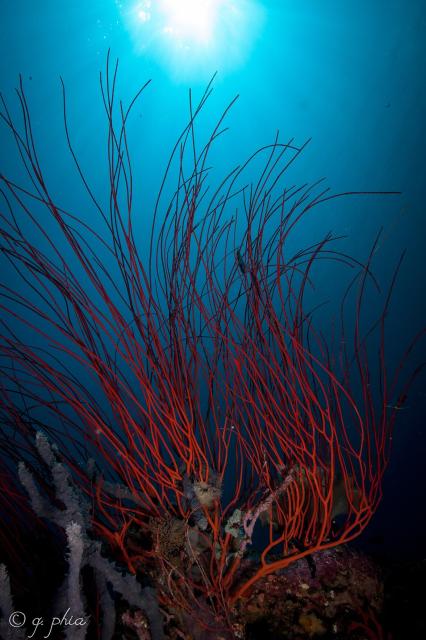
(191, 38)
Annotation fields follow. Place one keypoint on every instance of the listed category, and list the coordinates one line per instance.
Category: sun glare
(191, 36)
(190, 19)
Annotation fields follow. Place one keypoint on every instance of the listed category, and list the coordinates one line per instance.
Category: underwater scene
(212, 320)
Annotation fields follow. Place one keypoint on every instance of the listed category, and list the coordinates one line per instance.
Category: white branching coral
(40, 506)
(76, 509)
(74, 591)
(84, 551)
(7, 631)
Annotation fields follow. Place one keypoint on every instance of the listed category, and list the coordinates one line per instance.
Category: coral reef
(293, 605)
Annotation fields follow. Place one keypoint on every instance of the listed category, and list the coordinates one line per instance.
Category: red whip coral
(192, 371)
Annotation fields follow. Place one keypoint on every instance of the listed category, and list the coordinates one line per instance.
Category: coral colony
(185, 448)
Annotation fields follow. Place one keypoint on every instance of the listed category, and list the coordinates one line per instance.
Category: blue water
(348, 75)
